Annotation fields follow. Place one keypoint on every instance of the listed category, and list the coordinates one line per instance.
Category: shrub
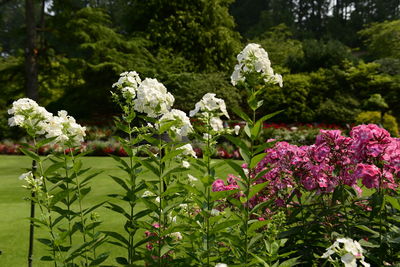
(389, 121)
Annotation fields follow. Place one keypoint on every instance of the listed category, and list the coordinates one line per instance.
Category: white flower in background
(215, 212)
(148, 194)
(236, 129)
(128, 83)
(182, 126)
(65, 129)
(210, 103)
(191, 178)
(27, 114)
(33, 183)
(157, 199)
(188, 150)
(216, 124)
(221, 265)
(176, 235)
(185, 164)
(207, 136)
(349, 251)
(184, 206)
(254, 58)
(153, 98)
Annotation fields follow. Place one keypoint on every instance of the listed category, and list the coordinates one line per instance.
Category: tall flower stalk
(254, 74)
(209, 110)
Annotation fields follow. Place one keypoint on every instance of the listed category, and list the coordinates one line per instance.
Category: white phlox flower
(236, 129)
(128, 83)
(33, 183)
(349, 251)
(153, 98)
(216, 124)
(210, 103)
(66, 130)
(27, 114)
(254, 58)
(182, 126)
(148, 194)
(176, 235)
(185, 164)
(221, 265)
(191, 178)
(188, 150)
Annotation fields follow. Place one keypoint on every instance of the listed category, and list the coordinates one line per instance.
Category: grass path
(14, 210)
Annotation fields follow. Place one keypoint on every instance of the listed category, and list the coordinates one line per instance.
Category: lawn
(14, 209)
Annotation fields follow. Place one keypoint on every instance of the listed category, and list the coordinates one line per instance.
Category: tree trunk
(31, 52)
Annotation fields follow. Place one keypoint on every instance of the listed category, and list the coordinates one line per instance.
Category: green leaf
(218, 195)
(224, 225)
(46, 258)
(393, 201)
(247, 130)
(257, 188)
(99, 259)
(238, 142)
(165, 249)
(174, 170)
(166, 126)
(242, 115)
(87, 211)
(118, 209)
(256, 159)
(255, 131)
(122, 260)
(260, 260)
(290, 262)
(149, 204)
(172, 154)
(257, 225)
(45, 141)
(120, 182)
(119, 160)
(30, 154)
(150, 167)
(236, 167)
(268, 116)
(365, 228)
(52, 168)
(117, 236)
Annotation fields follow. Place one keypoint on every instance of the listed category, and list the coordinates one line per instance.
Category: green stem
(80, 205)
(49, 221)
(132, 200)
(68, 199)
(247, 208)
(161, 184)
(208, 193)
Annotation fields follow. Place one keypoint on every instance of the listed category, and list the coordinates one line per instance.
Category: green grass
(14, 224)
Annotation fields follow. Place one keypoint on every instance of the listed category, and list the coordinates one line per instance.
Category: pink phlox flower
(369, 174)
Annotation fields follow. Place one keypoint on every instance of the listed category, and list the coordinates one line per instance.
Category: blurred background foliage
(340, 59)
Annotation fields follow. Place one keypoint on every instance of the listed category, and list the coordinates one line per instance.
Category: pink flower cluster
(369, 155)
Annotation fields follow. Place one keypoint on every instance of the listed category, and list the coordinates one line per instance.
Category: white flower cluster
(27, 114)
(65, 129)
(34, 184)
(128, 83)
(350, 252)
(188, 150)
(148, 96)
(182, 126)
(255, 58)
(38, 121)
(153, 98)
(210, 104)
